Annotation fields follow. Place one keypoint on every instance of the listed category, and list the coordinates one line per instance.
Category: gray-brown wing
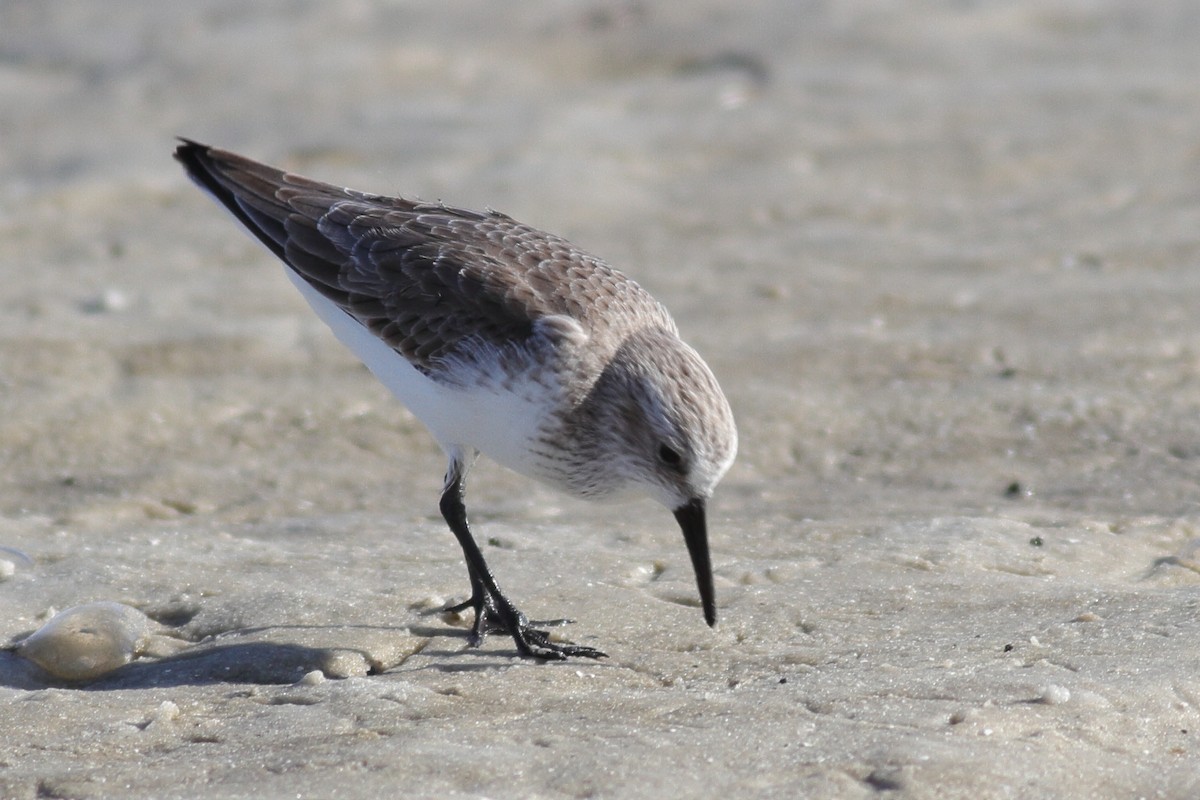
(427, 279)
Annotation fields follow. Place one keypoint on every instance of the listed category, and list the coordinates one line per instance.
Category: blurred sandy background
(942, 255)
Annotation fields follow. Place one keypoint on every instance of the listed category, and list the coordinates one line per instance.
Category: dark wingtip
(188, 151)
(222, 175)
(195, 158)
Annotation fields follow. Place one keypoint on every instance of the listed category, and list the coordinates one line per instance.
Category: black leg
(487, 619)
(492, 608)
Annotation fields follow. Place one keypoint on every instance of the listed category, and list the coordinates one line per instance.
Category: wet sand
(942, 257)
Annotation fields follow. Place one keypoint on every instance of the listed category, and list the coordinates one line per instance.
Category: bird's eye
(668, 455)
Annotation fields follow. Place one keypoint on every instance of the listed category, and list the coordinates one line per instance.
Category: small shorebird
(502, 340)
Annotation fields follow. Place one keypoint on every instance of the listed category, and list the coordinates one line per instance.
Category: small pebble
(12, 559)
(1055, 695)
(429, 603)
(314, 678)
(166, 712)
(109, 301)
(341, 664)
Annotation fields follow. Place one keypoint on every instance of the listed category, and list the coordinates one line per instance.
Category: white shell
(85, 642)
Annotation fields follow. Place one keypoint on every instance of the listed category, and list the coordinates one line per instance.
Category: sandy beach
(944, 258)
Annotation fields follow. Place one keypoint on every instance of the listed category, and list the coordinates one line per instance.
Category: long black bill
(695, 533)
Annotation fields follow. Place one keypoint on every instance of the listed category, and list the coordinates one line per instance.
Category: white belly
(499, 423)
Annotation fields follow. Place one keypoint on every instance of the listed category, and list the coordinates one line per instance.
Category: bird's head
(670, 427)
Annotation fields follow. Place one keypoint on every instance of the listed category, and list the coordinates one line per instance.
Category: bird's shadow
(273, 662)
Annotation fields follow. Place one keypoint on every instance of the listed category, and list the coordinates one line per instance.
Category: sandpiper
(503, 340)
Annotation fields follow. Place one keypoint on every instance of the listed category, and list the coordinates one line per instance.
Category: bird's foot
(531, 640)
(535, 642)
